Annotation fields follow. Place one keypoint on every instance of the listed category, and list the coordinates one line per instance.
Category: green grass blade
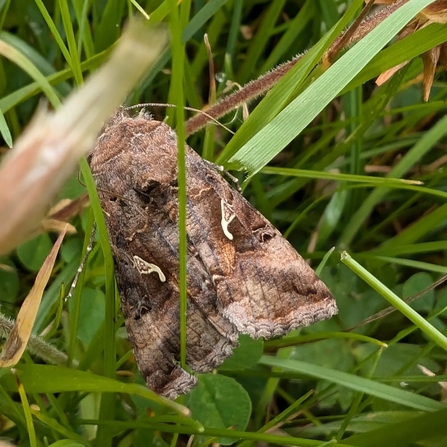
(395, 301)
(256, 153)
(355, 383)
(424, 145)
(56, 379)
(405, 433)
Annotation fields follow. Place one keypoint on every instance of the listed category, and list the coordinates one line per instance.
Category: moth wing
(264, 287)
(154, 332)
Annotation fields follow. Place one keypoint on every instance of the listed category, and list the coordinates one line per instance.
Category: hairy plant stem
(265, 82)
(36, 345)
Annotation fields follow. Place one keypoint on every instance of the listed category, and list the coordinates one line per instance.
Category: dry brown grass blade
(434, 13)
(20, 334)
(48, 152)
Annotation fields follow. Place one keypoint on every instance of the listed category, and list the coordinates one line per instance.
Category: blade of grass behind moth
(71, 40)
(4, 129)
(54, 30)
(107, 410)
(281, 418)
(422, 147)
(27, 411)
(20, 334)
(355, 383)
(18, 58)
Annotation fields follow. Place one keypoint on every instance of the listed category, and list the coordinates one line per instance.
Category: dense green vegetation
(321, 157)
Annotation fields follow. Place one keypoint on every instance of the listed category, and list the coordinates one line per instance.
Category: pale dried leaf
(57, 226)
(20, 334)
(387, 74)
(430, 60)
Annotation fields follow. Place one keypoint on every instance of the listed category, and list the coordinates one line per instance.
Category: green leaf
(220, 402)
(9, 281)
(91, 314)
(145, 437)
(245, 355)
(414, 285)
(33, 253)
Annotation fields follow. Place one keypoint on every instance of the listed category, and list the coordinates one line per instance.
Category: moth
(243, 277)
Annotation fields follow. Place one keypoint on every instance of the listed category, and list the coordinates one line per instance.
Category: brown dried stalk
(264, 83)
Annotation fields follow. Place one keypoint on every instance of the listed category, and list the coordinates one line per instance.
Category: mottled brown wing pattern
(266, 288)
(243, 276)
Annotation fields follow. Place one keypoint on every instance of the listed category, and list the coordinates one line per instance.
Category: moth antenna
(191, 109)
(231, 178)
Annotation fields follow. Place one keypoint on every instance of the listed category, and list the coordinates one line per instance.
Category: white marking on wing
(225, 222)
(146, 268)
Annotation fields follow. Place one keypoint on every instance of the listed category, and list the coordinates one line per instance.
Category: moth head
(133, 151)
